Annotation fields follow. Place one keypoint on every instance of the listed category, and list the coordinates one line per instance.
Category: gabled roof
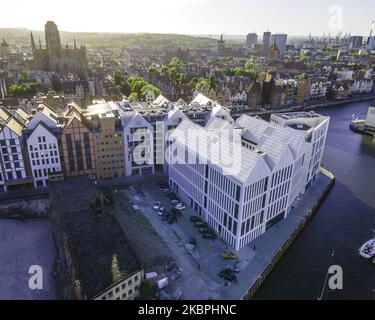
(229, 159)
(271, 139)
(14, 125)
(4, 115)
(217, 124)
(201, 100)
(160, 101)
(43, 125)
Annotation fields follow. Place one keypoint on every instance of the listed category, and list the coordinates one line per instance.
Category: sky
(294, 17)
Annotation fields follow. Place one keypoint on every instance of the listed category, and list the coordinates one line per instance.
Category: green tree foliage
(356, 66)
(56, 84)
(301, 76)
(23, 89)
(24, 74)
(175, 62)
(146, 290)
(136, 87)
(118, 78)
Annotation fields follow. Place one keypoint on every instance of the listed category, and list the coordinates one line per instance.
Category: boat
(359, 126)
(368, 249)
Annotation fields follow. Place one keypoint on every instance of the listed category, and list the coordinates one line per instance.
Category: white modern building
(314, 128)
(246, 176)
(138, 144)
(370, 119)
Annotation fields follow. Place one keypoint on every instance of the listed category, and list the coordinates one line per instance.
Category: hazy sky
(295, 17)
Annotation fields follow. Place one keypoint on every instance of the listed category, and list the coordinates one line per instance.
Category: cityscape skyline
(323, 17)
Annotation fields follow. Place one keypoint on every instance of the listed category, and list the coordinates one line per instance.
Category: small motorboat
(368, 249)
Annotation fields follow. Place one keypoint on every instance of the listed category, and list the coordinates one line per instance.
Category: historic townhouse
(13, 172)
(41, 134)
(78, 145)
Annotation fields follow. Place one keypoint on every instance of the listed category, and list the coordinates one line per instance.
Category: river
(342, 224)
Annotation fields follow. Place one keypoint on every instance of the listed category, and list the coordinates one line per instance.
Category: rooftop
(99, 249)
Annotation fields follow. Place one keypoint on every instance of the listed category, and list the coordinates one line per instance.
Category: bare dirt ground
(147, 245)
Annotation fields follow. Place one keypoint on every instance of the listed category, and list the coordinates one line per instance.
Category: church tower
(53, 41)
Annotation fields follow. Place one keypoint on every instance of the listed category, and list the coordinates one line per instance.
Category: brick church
(56, 58)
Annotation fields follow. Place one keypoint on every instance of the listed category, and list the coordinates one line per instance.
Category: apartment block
(108, 140)
(268, 172)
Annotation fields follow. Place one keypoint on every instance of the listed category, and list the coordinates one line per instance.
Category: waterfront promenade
(271, 246)
(313, 105)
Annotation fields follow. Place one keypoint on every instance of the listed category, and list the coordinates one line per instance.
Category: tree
(212, 83)
(301, 76)
(175, 62)
(125, 88)
(56, 84)
(153, 69)
(24, 74)
(118, 77)
(23, 89)
(146, 290)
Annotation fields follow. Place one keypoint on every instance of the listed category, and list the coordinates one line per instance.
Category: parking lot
(201, 266)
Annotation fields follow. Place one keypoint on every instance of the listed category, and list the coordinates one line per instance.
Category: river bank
(342, 224)
(317, 105)
(271, 246)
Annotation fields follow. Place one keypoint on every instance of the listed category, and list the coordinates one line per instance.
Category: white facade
(138, 144)
(274, 165)
(127, 289)
(11, 157)
(314, 128)
(42, 146)
(370, 119)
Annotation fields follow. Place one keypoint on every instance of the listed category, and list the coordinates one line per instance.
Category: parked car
(161, 213)
(157, 205)
(229, 256)
(165, 216)
(176, 212)
(200, 224)
(180, 206)
(209, 235)
(172, 195)
(175, 202)
(165, 190)
(228, 276)
(172, 219)
(195, 219)
(193, 242)
(162, 183)
(206, 230)
(231, 270)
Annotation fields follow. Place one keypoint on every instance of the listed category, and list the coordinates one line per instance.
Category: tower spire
(32, 41)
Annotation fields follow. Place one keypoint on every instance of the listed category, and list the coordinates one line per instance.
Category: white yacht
(368, 249)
